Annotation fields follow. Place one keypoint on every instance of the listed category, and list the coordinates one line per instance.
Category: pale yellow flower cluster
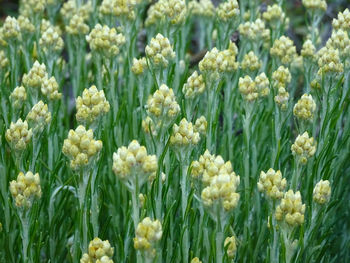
(230, 243)
(105, 41)
(173, 11)
(308, 50)
(148, 126)
(201, 125)
(305, 107)
(209, 62)
(315, 5)
(4, 62)
(196, 260)
(222, 191)
(51, 41)
(203, 8)
(329, 61)
(10, 30)
(77, 26)
(184, 135)
(70, 8)
(81, 147)
(139, 65)
(134, 161)
(30, 8)
(25, 25)
(194, 86)
(253, 89)
(340, 40)
(322, 192)
(342, 21)
(18, 135)
(91, 106)
(148, 233)
(18, 96)
(273, 14)
(118, 8)
(99, 252)
(162, 104)
(228, 11)
(291, 209)
(38, 117)
(25, 189)
(254, 31)
(281, 77)
(49, 88)
(284, 49)
(251, 62)
(160, 51)
(36, 76)
(304, 147)
(272, 183)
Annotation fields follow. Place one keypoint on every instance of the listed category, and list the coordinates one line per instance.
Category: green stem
(25, 235)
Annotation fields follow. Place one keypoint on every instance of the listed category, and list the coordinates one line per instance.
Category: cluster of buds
(139, 65)
(25, 189)
(77, 26)
(51, 41)
(201, 125)
(81, 147)
(148, 233)
(18, 135)
(133, 161)
(340, 40)
(184, 135)
(91, 106)
(118, 8)
(253, 89)
(291, 209)
(304, 147)
(329, 61)
(38, 117)
(203, 8)
(162, 106)
(70, 8)
(36, 76)
(305, 107)
(18, 96)
(322, 192)
(99, 252)
(254, 31)
(273, 14)
(284, 49)
(49, 88)
(194, 86)
(228, 11)
(251, 62)
(315, 5)
(32, 8)
(26, 27)
(105, 41)
(230, 243)
(281, 78)
(226, 59)
(10, 31)
(209, 166)
(272, 183)
(159, 51)
(171, 11)
(308, 50)
(3, 60)
(342, 21)
(222, 191)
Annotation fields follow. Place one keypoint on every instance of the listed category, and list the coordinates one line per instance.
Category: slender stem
(25, 235)
(83, 210)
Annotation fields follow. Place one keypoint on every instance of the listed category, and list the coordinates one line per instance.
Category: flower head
(99, 252)
(322, 192)
(291, 209)
(304, 147)
(160, 51)
(305, 107)
(18, 135)
(148, 233)
(272, 183)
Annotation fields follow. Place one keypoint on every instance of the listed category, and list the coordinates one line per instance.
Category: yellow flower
(77, 26)
(184, 135)
(291, 209)
(36, 76)
(148, 233)
(315, 5)
(251, 62)
(305, 107)
(49, 88)
(18, 97)
(194, 86)
(18, 135)
(159, 51)
(99, 252)
(284, 49)
(329, 61)
(139, 65)
(304, 147)
(38, 117)
(308, 50)
(322, 192)
(272, 183)
(273, 14)
(254, 31)
(25, 189)
(342, 21)
(228, 11)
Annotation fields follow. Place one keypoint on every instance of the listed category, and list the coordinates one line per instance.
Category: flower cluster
(18, 135)
(139, 65)
(10, 31)
(254, 31)
(51, 41)
(159, 51)
(305, 107)
(329, 61)
(304, 147)
(308, 50)
(132, 161)
(184, 135)
(281, 78)
(273, 14)
(148, 233)
(272, 183)
(36, 76)
(77, 26)
(201, 125)
(38, 117)
(81, 147)
(228, 11)
(194, 86)
(91, 106)
(203, 8)
(322, 192)
(342, 21)
(99, 252)
(251, 62)
(291, 209)
(340, 40)
(18, 96)
(284, 49)
(49, 88)
(105, 41)
(253, 89)
(118, 8)
(315, 5)
(25, 189)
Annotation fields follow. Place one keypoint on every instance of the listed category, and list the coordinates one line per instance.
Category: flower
(230, 243)
(304, 147)
(291, 209)
(322, 192)
(305, 107)
(18, 97)
(184, 135)
(272, 183)
(284, 49)
(159, 51)
(99, 252)
(228, 11)
(38, 117)
(148, 233)
(194, 86)
(18, 135)
(36, 76)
